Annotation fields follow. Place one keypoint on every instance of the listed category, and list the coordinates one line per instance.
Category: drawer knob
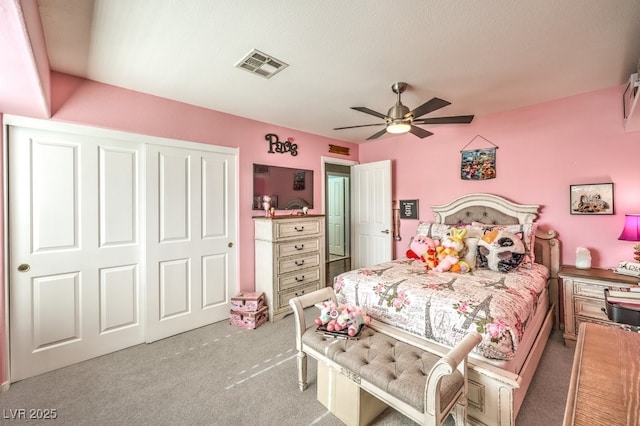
(299, 263)
(299, 247)
(299, 294)
(300, 279)
(300, 229)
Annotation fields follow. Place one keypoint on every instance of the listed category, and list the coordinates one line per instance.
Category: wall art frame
(591, 199)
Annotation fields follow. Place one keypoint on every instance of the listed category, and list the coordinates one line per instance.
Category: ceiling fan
(400, 120)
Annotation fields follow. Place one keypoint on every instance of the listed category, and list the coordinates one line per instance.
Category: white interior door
(75, 255)
(191, 235)
(337, 215)
(371, 205)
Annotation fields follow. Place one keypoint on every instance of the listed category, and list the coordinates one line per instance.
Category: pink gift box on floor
(248, 301)
(249, 320)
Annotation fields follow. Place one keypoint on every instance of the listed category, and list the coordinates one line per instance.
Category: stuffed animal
(500, 250)
(450, 249)
(431, 258)
(343, 318)
(328, 311)
(419, 246)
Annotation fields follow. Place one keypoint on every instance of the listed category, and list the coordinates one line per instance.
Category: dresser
(583, 297)
(605, 378)
(289, 259)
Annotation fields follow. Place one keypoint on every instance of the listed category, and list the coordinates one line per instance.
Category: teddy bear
(449, 252)
(431, 258)
(420, 245)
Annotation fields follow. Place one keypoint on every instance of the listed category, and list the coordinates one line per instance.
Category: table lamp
(631, 232)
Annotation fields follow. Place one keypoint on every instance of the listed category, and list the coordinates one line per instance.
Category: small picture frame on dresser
(593, 198)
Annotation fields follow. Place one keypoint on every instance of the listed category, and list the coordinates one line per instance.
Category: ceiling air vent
(261, 64)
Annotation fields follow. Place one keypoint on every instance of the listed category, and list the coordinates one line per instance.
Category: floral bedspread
(444, 307)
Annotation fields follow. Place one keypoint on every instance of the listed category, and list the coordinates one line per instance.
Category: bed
(514, 308)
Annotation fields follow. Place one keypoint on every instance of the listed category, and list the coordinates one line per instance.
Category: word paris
(275, 145)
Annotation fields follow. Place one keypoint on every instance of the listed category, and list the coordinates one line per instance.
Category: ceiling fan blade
(378, 134)
(370, 112)
(445, 120)
(419, 132)
(362, 125)
(429, 106)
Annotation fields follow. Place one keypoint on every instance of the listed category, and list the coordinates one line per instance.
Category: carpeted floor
(224, 375)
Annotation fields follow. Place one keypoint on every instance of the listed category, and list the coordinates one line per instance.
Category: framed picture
(595, 198)
(408, 209)
(298, 181)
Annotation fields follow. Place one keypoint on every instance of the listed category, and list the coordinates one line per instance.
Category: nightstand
(583, 291)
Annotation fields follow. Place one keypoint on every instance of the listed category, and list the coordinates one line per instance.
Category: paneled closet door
(75, 252)
(191, 237)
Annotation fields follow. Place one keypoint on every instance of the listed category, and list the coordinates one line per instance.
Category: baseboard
(4, 387)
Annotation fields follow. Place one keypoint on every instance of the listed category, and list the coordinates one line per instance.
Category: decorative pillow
(527, 231)
(471, 251)
(500, 250)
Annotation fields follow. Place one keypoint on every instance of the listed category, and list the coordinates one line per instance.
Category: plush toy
(431, 258)
(501, 250)
(328, 311)
(450, 249)
(419, 246)
(343, 318)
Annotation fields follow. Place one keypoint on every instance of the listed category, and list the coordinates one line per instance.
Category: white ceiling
(482, 56)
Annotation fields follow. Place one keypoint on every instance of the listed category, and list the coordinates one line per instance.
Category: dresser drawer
(298, 263)
(581, 288)
(298, 278)
(285, 296)
(297, 247)
(589, 308)
(296, 229)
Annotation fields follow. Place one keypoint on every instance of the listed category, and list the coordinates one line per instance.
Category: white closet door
(75, 253)
(191, 236)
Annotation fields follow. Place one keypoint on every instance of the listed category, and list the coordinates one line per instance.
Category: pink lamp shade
(631, 231)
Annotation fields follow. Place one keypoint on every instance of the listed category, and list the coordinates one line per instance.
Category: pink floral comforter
(444, 307)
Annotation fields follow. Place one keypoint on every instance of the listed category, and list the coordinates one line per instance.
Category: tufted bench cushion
(395, 367)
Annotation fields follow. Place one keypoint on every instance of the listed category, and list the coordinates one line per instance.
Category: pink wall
(542, 150)
(99, 105)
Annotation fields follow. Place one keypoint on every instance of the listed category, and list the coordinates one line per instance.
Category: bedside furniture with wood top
(583, 294)
(605, 378)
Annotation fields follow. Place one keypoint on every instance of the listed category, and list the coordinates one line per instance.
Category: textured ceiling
(482, 56)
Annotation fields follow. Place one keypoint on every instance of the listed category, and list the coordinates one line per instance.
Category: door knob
(24, 267)
(386, 231)
(230, 245)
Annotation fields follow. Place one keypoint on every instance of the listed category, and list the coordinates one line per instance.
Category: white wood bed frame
(495, 395)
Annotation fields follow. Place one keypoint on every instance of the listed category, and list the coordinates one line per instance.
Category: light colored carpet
(224, 375)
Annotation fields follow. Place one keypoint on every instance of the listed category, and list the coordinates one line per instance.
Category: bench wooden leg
(302, 370)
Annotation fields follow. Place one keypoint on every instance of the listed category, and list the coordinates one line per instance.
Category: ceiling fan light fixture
(399, 126)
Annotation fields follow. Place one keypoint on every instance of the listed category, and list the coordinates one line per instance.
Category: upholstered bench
(424, 386)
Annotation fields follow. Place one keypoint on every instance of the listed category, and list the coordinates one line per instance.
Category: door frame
(85, 130)
(323, 194)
